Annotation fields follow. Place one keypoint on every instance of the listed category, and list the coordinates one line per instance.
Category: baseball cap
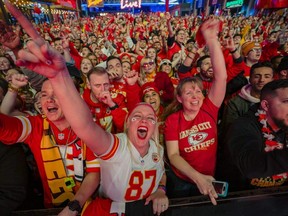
(147, 87)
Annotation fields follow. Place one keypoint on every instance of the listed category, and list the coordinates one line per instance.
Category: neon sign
(94, 3)
(130, 4)
(235, 3)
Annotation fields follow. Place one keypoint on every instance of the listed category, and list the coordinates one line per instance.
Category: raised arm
(43, 59)
(8, 104)
(210, 30)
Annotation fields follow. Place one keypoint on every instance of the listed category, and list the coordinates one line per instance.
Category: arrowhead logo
(197, 138)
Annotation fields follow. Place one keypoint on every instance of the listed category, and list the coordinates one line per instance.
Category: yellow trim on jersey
(111, 153)
(26, 128)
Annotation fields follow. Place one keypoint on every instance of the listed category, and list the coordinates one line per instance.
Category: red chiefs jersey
(109, 120)
(30, 130)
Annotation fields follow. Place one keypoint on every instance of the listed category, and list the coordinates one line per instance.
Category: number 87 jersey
(125, 175)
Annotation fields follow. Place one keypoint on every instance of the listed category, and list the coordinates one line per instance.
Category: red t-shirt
(197, 139)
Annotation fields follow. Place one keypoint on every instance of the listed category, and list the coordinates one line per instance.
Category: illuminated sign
(130, 4)
(95, 3)
(235, 3)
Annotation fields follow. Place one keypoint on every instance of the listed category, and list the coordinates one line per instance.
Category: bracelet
(114, 107)
(233, 51)
(12, 88)
(162, 187)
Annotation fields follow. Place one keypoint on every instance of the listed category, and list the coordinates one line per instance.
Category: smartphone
(221, 188)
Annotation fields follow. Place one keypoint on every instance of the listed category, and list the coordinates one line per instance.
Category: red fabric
(133, 95)
(99, 206)
(176, 47)
(246, 69)
(193, 72)
(195, 147)
(11, 129)
(164, 85)
(162, 54)
(269, 51)
(233, 69)
(102, 113)
(75, 55)
(199, 36)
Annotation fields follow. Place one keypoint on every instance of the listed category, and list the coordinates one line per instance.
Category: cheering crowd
(116, 114)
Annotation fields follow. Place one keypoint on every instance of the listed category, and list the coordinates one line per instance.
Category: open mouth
(195, 103)
(52, 109)
(142, 132)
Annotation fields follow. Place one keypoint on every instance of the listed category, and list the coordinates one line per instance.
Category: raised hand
(131, 77)
(19, 80)
(105, 97)
(229, 44)
(39, 56)
(168, 16)
(210, 29)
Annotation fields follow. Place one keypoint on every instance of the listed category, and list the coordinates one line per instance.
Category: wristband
(162, 187)
(12, 88)
(233, 51)
(74, 206)
(114, 107)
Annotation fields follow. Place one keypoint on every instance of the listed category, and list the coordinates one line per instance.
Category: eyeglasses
(145, 65)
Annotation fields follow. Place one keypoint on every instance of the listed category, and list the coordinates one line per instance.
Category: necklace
(270, 143)
(63, 154)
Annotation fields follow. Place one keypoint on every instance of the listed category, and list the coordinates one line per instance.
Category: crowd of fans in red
(154, 58)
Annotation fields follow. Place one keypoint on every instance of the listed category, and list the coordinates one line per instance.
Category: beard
(280, 123)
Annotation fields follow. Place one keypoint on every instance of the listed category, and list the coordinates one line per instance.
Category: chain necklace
(53, 140)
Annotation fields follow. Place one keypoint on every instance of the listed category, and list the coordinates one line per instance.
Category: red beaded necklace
(270, 144)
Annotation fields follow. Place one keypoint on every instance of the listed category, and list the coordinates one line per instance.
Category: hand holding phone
(221, 188)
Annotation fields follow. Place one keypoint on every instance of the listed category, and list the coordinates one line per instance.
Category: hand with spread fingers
(160, 201)
(131, 77)
(210, 29)
(39, 55)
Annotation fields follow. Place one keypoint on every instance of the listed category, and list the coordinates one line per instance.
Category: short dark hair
(269, 90)
(200, 60)
(57, 39)
(260, 65)
(178, 30)
(96, 70)
(111, 58)
(237, 35)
